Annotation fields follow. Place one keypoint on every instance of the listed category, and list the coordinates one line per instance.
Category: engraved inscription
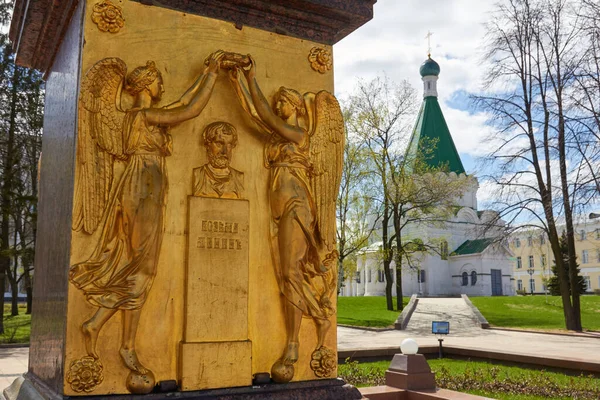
(219, 243)
(218, 238)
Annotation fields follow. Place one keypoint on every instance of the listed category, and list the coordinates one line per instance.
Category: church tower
(431, 142)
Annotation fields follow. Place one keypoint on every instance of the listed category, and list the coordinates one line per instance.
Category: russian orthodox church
(472, 259)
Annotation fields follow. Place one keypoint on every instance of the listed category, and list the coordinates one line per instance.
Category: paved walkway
(464, 332)
(461, 317)
(13, 363)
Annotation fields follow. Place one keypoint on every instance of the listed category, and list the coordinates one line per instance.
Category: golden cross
(428, 37)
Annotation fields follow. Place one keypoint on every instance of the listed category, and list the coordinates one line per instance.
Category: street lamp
(530, 271)
(593, 216)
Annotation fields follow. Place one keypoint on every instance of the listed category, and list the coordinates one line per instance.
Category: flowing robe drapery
(120, 272)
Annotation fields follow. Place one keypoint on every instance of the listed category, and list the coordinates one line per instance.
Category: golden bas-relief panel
(203, 246)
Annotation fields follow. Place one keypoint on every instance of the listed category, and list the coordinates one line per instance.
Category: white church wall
(469, 264)
(499, 260)
(469, 197)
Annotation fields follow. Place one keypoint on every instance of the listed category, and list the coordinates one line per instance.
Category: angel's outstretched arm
(245, 99)
(172, 116)
(266, 114)
(189, 94)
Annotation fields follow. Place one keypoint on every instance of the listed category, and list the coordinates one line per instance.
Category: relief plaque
(216, 338)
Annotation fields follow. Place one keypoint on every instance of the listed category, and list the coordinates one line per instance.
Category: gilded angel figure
(128, 209)
(304, 153)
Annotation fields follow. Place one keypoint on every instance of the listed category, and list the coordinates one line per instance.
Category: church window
(444, 250)
(473, 278)
(582, 235)
(584, 257)
(519, 263)
(531, 264)
(380, 276)
(542, 239)
(543, 260)
(465, 278)
(517, 242)
(529, 241)
(369, 276)
(597, 234)
(598, 255)
(519, 284)
(422, 276)
(357, 276)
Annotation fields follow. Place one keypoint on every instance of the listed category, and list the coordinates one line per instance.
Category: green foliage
(553, 282)
(532, 312)
(16, 329)
(21, 120)
(369, 311)
(485, 379)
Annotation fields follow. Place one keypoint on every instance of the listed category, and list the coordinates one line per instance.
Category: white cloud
(394, 43)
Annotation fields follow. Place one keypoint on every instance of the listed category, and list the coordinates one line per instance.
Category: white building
(473, 260)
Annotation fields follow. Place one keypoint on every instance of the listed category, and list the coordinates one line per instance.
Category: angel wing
(326, 129)
(99, 140)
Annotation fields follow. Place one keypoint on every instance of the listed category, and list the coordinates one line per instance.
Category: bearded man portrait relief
(217, 178)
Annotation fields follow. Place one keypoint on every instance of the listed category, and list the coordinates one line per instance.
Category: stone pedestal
(410, 372)
(329, 389)
(125, 296)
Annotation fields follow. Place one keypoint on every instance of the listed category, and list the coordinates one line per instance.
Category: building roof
(431, 131)
(472, 247)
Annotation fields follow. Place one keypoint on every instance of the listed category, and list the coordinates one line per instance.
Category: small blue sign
(440, 327)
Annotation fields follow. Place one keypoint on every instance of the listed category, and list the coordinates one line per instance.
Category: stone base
(27, 388)
(410, 372)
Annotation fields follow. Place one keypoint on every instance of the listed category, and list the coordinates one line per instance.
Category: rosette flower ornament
(320, 59)
(324, 362)
(85, 374)
(108, 17)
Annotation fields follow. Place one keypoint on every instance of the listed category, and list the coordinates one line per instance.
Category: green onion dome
(429, 67)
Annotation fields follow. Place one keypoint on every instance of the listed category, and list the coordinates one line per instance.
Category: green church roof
(472, 247)
(431, 139)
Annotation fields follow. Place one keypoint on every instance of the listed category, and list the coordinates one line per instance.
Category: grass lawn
(366, 311)
(487, 379)
(533, 311)
(16, 329)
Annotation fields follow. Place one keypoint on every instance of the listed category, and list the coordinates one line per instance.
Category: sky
(394, 43)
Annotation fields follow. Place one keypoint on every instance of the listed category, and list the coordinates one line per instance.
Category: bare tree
(357, 217)
(379, 114)
(534, 56)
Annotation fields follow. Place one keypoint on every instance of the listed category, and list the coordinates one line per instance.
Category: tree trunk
(399, 294)
(398, 259)
(5, 193)
(340, 279)
(388, 283)
(14, 310)
(28, 289)
(387, 253)
(568, 312)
